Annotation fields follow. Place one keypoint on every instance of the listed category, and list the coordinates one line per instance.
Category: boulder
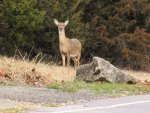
(102, 70)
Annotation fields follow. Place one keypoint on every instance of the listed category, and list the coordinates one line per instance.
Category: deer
(69, 48)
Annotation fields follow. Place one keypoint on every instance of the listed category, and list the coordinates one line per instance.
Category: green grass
(53, 105)
(112, 89)
(13, 110)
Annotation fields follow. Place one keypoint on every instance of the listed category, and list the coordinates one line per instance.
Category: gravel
(43, 95)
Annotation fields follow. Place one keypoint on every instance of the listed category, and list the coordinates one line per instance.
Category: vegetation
(53, 105)
(24, 72)
(102, 88)
(117, 30)
(13, 110)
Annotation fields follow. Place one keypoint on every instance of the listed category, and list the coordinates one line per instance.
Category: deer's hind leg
(78, 60)
(75, 62)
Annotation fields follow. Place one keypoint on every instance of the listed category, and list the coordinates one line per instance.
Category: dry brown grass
(139, 75)
(25, 72)
(21, 71)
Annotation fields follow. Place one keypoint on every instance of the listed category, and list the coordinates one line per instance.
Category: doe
(69, 48)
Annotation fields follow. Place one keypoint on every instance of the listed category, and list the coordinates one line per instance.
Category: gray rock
(102, 70)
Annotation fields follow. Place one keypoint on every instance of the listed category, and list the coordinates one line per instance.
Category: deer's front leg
(63, 59)
(68, 62)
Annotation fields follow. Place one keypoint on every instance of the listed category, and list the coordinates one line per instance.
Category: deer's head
(61, 26)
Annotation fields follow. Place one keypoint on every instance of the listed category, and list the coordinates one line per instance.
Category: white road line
(105, 107)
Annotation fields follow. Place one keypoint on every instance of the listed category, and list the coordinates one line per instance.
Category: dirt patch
(28, 78)
(142, 77)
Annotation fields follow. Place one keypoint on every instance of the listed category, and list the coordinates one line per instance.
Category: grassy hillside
(34, 72)
(21, 71)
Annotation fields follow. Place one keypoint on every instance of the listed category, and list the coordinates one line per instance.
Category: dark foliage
(117, 30)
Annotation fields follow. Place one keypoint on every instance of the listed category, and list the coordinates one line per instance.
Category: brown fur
(69, 48)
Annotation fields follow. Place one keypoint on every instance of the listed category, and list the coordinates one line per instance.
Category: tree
(3, 29)
(108, 21)
(24, 21)
(136, 51)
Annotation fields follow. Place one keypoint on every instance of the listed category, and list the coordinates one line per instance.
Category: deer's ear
(66, 22)
(56, 22)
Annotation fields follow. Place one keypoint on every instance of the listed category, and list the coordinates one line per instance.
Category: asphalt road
(44, 95)
(129, 104)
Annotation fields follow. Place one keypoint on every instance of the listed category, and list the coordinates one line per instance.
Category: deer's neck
(62, 36)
